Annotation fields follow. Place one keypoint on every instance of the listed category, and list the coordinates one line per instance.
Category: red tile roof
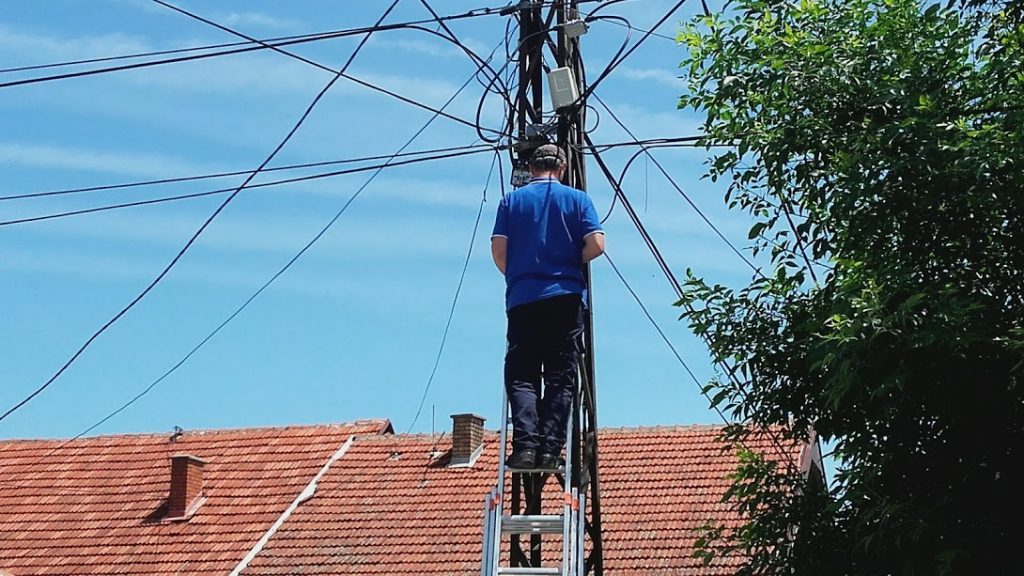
(375, 514)
(95, 506)
(389, 505)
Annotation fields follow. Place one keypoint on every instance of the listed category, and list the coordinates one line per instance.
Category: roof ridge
(383, 423)
(612, 429)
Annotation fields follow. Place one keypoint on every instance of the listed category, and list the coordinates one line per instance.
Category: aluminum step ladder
(500, 520)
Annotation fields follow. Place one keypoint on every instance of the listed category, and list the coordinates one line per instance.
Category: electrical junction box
(576, 28)
(520, 173)
(562, 84)
(520, 177)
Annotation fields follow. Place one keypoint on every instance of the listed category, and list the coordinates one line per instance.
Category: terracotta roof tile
(375, 514)
(96, 505)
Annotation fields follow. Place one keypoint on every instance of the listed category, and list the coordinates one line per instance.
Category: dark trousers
(543, 341)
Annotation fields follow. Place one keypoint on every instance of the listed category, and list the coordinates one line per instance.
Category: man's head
(547, 160)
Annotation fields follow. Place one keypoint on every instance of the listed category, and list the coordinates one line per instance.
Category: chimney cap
(468, 415)
(182, 455)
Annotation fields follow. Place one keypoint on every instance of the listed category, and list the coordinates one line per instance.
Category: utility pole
(549, 46)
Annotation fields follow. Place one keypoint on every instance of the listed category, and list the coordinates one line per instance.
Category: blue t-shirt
(545, 223)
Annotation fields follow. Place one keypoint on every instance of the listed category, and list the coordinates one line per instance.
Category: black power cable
(620, 58)
(455, 299)
(661, 333)
(219, 191)
(202, 228)
(302, 37)
(248, 47)
(679, 189)
(450, 37)
(635, 218)
(279, 273)
(107, 187)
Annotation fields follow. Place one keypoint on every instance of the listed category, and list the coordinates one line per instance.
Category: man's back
(543, 234)
(545, 223)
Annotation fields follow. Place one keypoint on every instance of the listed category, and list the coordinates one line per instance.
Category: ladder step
(524, 571)
(532, 524)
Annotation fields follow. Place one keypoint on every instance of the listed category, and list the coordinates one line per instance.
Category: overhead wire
(216, 175)
(620, 58)
(482, 66)
(472, 55)
(647, 145)
(248, 47)
(661, 333)
(616, 185)
(351, 78)
(455, 298)
(637, 222)
(493, 76)
(666, 270)
(653, 33)
(220, 191)
(679, 189)
(312, 37)
(277, 275)
(202, 228)
(615, 62)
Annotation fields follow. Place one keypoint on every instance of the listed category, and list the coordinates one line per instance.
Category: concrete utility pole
(549, 46)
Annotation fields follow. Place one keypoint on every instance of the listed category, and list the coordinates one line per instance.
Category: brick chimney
(467, 439)
(186, 485)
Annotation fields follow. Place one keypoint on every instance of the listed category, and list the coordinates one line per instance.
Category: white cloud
(40, 48)
(645, 123)
(256, 20)
(666, 77)
(434, 49)
(432, 46)
(429, 90)
(366, 235)
(142, 164)
(418, 191)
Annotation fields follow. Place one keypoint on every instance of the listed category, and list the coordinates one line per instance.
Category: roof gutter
(306, 494)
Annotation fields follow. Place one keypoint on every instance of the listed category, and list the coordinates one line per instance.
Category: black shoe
(550, 462)
(522, 458)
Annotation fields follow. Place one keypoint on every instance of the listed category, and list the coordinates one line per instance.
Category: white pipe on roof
(306, 494)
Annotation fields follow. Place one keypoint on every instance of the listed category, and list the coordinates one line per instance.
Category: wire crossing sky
(321, 344)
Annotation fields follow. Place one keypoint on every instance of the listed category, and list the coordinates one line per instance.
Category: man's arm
(593, 246)
(499, 251)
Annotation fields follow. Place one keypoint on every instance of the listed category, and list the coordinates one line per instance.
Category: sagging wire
(455, 298)
(195, 236)
(228, 190)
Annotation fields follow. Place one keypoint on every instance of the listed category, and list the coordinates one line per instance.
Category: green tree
(878, 146)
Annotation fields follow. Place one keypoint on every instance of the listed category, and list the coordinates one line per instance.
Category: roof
(96, 505)
(389, 505)
(377, 514)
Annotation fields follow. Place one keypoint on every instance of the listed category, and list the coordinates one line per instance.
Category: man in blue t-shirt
(543, 234)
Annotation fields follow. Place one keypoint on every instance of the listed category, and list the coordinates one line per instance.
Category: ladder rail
(500, 488)
(568, 497)
(572, 515)
(488, 550)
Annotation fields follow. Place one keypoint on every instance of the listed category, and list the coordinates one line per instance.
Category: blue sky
(352, 330)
